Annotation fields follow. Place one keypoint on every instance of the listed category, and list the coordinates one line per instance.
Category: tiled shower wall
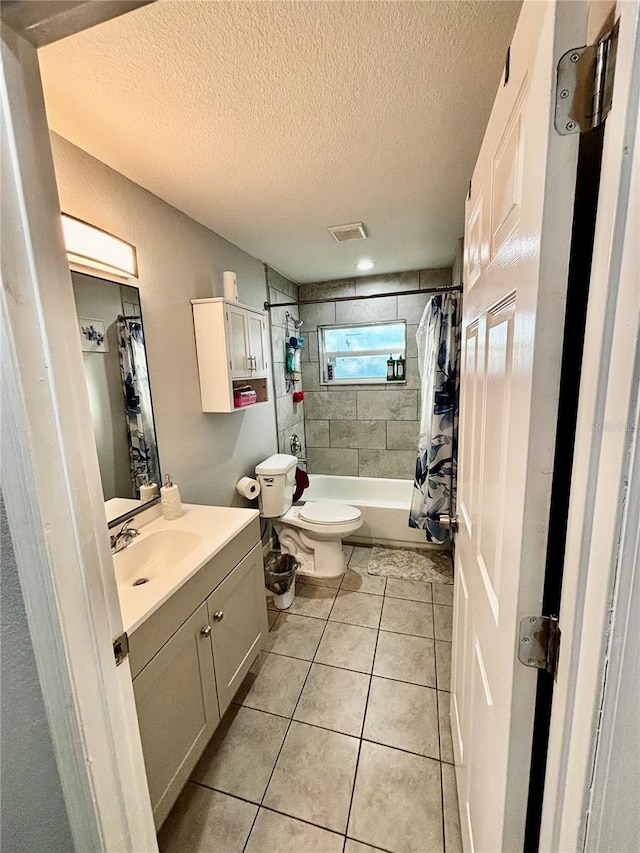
(289, 415)
(364, 430)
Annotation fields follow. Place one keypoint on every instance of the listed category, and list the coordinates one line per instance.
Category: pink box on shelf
(244, 398)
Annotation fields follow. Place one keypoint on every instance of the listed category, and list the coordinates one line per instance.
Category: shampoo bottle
(170, 500)
(391, 369)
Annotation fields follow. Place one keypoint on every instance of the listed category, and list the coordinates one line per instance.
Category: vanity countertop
(167, 554)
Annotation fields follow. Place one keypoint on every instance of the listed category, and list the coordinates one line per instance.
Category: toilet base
(318, 558)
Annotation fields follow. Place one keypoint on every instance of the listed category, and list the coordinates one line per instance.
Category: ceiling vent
(343, 233)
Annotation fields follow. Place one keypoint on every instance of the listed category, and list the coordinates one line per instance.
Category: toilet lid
(328, 513)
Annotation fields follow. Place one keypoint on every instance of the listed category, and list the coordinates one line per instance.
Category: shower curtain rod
(269, 305)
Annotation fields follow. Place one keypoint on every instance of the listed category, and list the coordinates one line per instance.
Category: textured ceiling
(268, 122)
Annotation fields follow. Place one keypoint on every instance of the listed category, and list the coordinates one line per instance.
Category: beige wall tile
(317, 433)
(333, 461)
(435, 278)
(411, 308)
(357, 434)
(368, 310)
(328, 289)
(388, 283)
(402, 435)
(318, 315)
(387, 405)
(322, 405)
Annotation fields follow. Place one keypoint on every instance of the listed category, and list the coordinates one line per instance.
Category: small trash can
(280, 579)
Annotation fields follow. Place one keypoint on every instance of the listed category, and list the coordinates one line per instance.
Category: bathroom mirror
(115, 368)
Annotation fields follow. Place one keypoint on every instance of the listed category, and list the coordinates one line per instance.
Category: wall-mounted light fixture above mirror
(88, 246)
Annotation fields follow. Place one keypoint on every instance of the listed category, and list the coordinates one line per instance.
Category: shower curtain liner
(138, 411)
(434, 487)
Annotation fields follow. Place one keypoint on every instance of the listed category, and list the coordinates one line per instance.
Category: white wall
(33, 816)
(178, 260)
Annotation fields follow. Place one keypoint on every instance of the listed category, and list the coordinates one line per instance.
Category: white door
(517, 240)
(238, 342)
(257, 344)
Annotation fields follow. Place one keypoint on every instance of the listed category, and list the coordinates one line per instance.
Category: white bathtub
(384, 505)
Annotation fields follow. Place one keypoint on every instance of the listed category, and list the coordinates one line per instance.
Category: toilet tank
(277, 478)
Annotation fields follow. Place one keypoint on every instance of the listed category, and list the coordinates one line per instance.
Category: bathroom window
(358, 353)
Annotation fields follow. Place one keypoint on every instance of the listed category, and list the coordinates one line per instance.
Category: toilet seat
(328, 513)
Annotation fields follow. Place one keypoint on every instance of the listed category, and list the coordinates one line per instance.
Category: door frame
(51, 487)
(600, 557)
(54, 503)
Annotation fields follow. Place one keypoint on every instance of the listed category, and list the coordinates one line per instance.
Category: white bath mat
(409, 564)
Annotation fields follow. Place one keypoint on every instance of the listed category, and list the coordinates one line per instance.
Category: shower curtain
(143, 455)
(438, 339)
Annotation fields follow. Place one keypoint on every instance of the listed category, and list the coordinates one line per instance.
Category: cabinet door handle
(218, 616)
(206, 630)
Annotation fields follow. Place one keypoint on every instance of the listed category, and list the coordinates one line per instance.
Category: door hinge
(121, 648)
(584, 86)
(539, 642)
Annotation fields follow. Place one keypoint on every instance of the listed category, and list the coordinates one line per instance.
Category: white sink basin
(167, 553)
(148, 557)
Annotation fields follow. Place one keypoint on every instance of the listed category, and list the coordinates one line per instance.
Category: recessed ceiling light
(365, 264)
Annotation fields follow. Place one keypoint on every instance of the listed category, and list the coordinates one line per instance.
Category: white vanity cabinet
(233, 350)
(177, 707)
(189, 658)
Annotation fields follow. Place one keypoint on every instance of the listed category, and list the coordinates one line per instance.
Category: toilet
(311, 532)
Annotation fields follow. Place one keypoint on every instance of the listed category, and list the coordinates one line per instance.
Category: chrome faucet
(123, 537)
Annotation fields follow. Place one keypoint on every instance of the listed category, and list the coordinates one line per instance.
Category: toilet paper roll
(230, 285)
(148, 491)
(248, 488)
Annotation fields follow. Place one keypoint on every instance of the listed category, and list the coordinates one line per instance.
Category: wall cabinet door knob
(218, 616)
(206, 630)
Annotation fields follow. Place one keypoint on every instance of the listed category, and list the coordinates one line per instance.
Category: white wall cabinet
(189, 658)
(233, 350)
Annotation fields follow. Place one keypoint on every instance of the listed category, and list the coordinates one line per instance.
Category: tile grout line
(284, 740)
(364, 719)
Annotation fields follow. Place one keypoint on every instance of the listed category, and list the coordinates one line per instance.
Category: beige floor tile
(397, 801)
(407, 617)
(295, 636)
(313, 778)
(347, 646)
(276, 833)
(405, 658)
(357, 608)
(452, 839)
(404, 716)
(443, 664)
(358, 579)
(443, 621)
(444, 725)
(356, 847)
(360, 556)
(242, 753)
(312, 600)
(443, 593)
(347, 550)
(273, 684)
(412, 590)
(203, 820)
(334, 699)
(272, 615)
